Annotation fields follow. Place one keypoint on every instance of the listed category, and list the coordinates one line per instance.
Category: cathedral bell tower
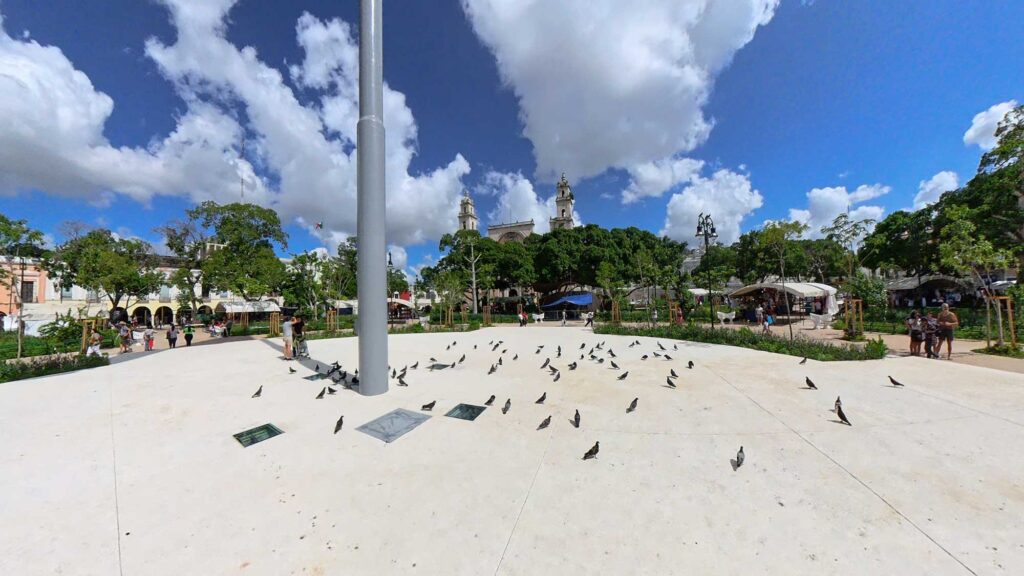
(563, 206)
(467, 213)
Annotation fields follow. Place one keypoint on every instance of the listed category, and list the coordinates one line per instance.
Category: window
(65, 294)
(28, 292)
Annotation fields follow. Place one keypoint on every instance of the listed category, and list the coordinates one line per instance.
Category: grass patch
(1007, 351)
(34, 368)
(745, 338)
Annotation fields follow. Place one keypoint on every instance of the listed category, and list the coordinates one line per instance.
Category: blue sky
(865, 102)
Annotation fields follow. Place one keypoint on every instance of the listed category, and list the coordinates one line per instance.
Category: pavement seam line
(113, 457)
(848, 472)
(515, 525)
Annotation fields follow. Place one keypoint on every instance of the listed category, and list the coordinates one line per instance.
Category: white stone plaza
(132, 469)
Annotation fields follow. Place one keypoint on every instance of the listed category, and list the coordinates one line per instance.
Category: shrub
(11, 371)
(745, 338)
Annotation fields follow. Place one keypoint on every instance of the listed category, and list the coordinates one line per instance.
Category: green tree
(187, 240)
(17, 241)
(120, 268)
(1007, 159)
(308, 284)
(846, 232)
(777, 237)
(969, 254)
(247, 265)
(902, 241)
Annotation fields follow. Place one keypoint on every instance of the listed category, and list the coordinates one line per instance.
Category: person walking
(286, 335)
(147, 339)
(916, 329)
(299, 338)
(931, 329)
(172, 336)
(947, 324)
(563, 316)
(125, 335)
(187, 330)
(590, 319)
(227, 327)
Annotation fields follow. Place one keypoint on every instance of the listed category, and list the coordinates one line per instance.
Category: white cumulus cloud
(983, 127)
(653, 179)
(929, 191)
(824, 204)
(606, 83)
(727, 196)
(52, 120)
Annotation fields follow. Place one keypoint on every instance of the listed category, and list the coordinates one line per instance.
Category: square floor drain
(257, 434)
(393, 425)
(466, 412)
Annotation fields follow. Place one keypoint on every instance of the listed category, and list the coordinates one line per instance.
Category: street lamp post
(706, 229)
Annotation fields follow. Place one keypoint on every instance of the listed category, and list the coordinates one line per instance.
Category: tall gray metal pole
(371, 275)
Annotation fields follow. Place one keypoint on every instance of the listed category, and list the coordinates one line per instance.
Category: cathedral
(518, 231)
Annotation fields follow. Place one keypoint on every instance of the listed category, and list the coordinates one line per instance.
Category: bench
(538, 317)
(723, 316)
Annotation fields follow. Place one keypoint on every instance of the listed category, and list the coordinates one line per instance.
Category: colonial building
(518, 231)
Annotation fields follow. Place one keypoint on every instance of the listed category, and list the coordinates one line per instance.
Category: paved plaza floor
(132, 469)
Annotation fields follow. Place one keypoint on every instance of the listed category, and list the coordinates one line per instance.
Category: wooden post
(616, 313)
(275, 324)
(1009, 313)
(86, 332)
(487, 315)
(332, 320)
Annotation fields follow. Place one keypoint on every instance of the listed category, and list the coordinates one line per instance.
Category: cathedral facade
(518, 231)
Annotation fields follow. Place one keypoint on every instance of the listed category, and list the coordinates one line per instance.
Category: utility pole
(371, 204)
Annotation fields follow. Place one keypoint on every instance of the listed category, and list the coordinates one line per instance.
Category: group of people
(126, 336)
(931, 331)
(293, 332)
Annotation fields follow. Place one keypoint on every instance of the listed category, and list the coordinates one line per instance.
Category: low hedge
(40, 346)
(10, 371)
(745, 338)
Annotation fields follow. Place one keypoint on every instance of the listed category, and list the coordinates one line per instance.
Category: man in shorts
(947, 324)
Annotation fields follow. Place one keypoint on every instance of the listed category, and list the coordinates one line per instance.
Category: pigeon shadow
(839, 422)
(574, 425)
(735, 466)
(667, 386)
(807, 388)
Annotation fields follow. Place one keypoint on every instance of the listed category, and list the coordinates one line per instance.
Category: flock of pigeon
(597, 354)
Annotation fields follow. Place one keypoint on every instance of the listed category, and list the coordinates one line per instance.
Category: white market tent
(251, 307)
(798, 289)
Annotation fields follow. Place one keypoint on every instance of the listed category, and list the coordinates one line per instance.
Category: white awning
(251, 307)
(798, 289)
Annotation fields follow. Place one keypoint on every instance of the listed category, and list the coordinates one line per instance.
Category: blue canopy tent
(572, 302)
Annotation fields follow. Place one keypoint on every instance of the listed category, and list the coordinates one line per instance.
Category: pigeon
(331, 391)
(316, 368)
(542, 398)
(538, 351)
(490, 343)
(432, 359)
(804, 361)
(656, 354)
(572, 366)
(740, 457)
(612, 354)
(553, 369)
(559, 354)
(614, 365)
(428, 407)
(545, 364)
(495, 346)
(416, 365)
(402, 382)
(463, 359)
(670, 383)
(895, 383)
(474, 346)
(632, 344)
(544, 423)
(637, 342)
(810, 384)
(259, 392)
(623, 377)
(494, 368)
(507, 406)
(644, 357)
(675, 347)
(559, 349)
(337, 426)
(632, 405)
(660, 347)
(355, 381)
(394, 373)
(558, 375)
(600, 360)
(489, 401)
(500, 362)
(690, 364)
(576, 419)
(667, 357)
(448, 347)
(453, 365)
(672, 373)
(842, 416)
(516, 357)
(291, 370)
(582, 346)
(454, 342)
(839, 404)
(592, 453)
(320, 396)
